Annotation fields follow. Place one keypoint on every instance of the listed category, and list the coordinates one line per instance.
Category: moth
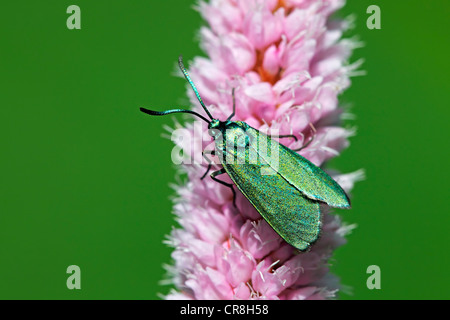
(284, 187)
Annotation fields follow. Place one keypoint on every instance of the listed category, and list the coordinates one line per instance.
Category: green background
(85, 176)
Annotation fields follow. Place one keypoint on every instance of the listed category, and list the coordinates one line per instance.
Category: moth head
(214, 128)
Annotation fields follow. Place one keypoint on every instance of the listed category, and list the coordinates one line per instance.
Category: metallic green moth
(284, 187)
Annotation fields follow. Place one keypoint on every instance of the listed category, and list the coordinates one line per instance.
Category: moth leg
(310, 140)
(286, 136)
(229, 185)
(211, 152)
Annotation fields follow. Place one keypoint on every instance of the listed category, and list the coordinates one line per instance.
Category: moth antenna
(188, 78)
(163, 113)
(234, 105)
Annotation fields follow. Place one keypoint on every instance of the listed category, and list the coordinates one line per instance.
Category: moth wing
(312, 181)
(293, 216)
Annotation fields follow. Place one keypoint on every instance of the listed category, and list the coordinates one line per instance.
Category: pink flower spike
(287, 64)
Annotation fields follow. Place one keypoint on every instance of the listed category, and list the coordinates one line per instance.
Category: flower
(287, 62)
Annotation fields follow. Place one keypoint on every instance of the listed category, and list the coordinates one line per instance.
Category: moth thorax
(236, 137)
(214, 128)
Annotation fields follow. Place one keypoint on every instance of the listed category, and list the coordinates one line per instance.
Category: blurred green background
(85, 176)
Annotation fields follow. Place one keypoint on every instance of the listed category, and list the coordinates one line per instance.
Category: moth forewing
(312, 181)
(266, 149)
(293, 216)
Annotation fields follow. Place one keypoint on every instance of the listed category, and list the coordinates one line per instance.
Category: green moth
(284, 187)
